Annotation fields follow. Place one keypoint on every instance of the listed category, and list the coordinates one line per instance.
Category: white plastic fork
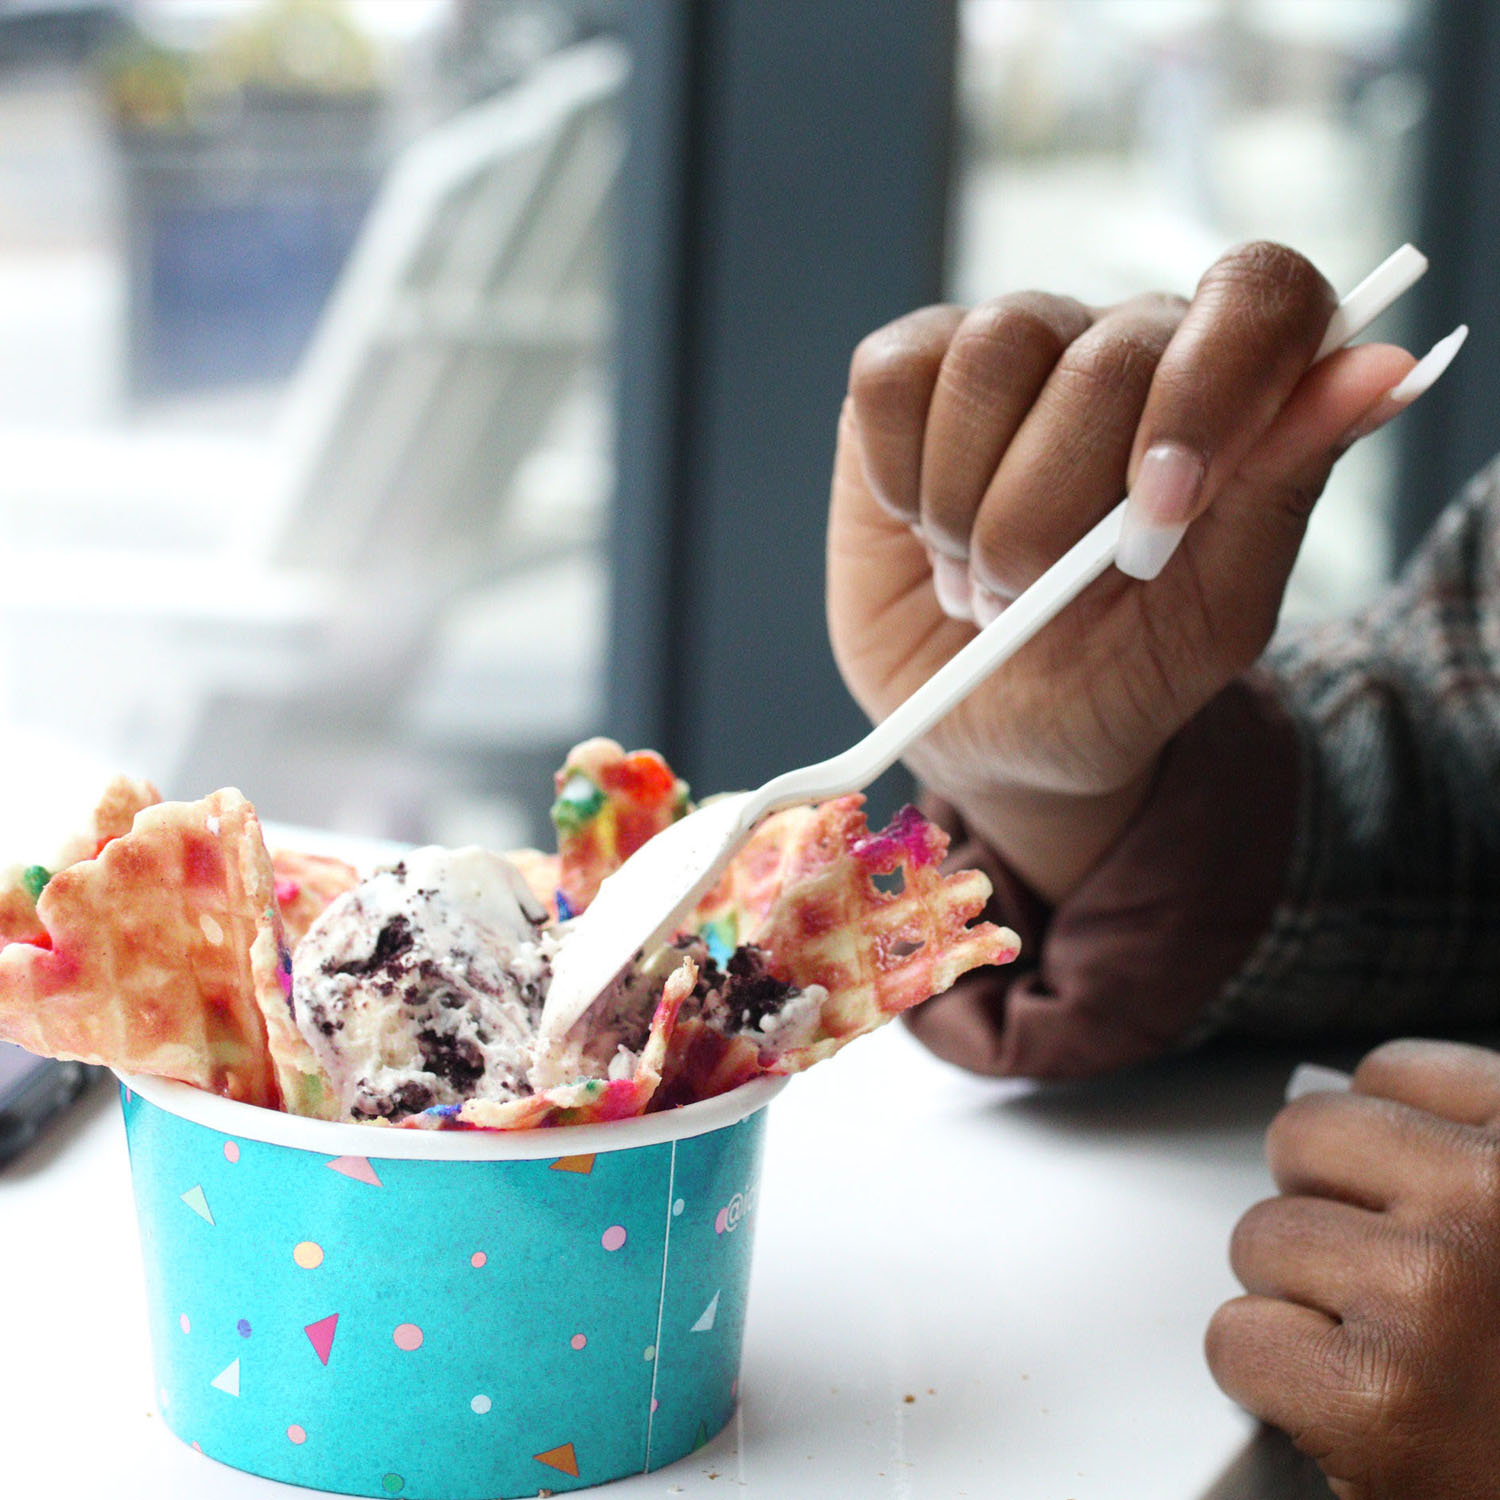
(647, 897)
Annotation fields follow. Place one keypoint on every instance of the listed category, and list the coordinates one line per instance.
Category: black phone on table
(33, 1092)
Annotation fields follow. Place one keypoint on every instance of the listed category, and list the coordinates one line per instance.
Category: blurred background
(393, 392)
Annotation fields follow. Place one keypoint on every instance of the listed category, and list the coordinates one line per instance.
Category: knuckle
(1225, 1336)
(1428, 1265)
(1112, 360)
(1022, 330)
(1441, 1267)
(1393, 1058)
(1290, 1127)
(1384, 1397)
(1276, 277)
(886, 369)
(1417, 1354)
(1236, 1346)
(1260, 1223)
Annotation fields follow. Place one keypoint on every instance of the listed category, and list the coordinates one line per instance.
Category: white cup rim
(333, 1138)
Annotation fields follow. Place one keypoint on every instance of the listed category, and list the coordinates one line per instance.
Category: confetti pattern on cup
(622, 1309)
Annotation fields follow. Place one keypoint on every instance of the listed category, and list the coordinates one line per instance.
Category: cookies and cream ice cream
(422, 985)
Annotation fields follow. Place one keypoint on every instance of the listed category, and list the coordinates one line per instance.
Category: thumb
(1248, 540)
(1346, 397)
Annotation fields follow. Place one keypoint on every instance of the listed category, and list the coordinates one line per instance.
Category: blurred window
(305, 396)
(1114, 146)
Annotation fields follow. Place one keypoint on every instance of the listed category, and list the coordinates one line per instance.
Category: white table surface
(1034, 1268)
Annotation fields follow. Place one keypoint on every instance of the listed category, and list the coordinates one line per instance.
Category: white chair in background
(476, 298)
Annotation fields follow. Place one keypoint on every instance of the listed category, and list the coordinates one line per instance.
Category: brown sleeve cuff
(1126, 966)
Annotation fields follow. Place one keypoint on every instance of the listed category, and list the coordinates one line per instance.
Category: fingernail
(1158, 508)
(1146, 548)
(950, 581)
(1166, 485)
(987, 607)
(1424, 374)
(1314, 1078)
(1417, 382)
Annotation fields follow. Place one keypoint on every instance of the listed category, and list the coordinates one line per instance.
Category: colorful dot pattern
(434, 1329)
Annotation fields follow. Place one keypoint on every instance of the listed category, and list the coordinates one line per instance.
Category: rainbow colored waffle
(161, 944)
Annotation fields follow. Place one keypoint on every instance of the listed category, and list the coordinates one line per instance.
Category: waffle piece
(156, 948)
(804, 891)
(608, 804)
(20, 885)
(306, 885)
(19, 888)
(704, 1061)
(592, 1101)
(304, 1086)
(115, 814)
(782, 849)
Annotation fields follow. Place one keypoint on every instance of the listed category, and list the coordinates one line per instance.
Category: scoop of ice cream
(422, 985)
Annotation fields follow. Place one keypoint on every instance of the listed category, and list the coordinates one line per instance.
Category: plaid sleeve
(1390, 915)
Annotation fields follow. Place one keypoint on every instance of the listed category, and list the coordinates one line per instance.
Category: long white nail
(1417, 382)
(1145, 547)
(1160, 504)
(1314, 1078)
(1424, 374)
(950, 581)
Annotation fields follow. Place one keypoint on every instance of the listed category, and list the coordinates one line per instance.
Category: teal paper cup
(444, 1315)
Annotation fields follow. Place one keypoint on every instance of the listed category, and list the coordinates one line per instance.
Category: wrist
(1050, 839)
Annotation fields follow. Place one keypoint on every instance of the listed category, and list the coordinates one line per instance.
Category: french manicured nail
(1417, 382)
(1314, 1078)
(987, 607)
(1157, 511)
(950, 581)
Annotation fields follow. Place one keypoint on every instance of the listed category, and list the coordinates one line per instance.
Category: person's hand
(975, 446)
(1371, 1328)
